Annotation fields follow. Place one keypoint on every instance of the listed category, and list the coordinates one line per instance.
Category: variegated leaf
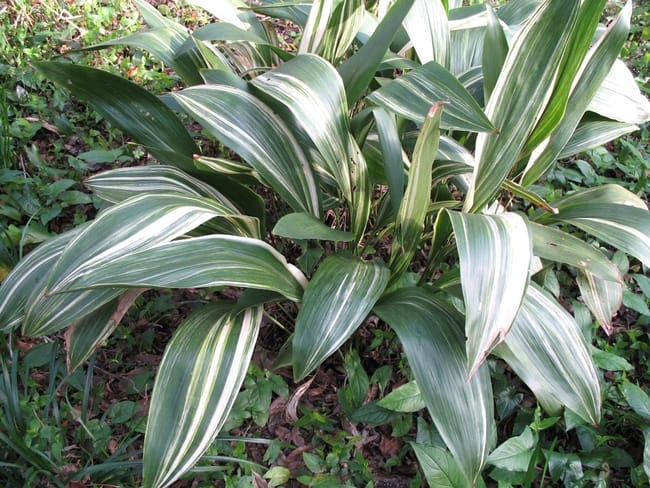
(547, 350)
(427, 27)
(29, 276)
(215, 260)
(411, 95)
(603, 297)
(132, 225)
(201, 372)
(619, 97)
(331, 28)
(250, 128)
(313, 92)
(409, 223)
(589, 135)
(598, 61)
(119, 184)
(495, 254)
(520, 96)
(612, 214)
(431, 333)
(337, 300)
(556, 245)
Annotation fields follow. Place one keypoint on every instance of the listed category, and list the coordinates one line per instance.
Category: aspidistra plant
(488, 100)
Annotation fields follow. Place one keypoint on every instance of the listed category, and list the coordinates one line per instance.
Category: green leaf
(128, 107)
(198, 380)
(546, 349)
(495, 254)
(313, 92)
(336, 301)
(602, 296)
(392, 155)
(637, 399)
(306, 226)
(86, 335)
(635, 302)
(406, 398)
(439, 467)
(409, 224)
(431, 333)
(599, 60)
(250, 128)
(411, 95)
(646, 450)
(610, 361)
(556, 245)
(495, 50)
(519, 98)
(214, 260)
(515, 453)
(427, 27)
(359, 69)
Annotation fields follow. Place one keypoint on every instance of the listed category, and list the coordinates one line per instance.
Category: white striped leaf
(48, 313)
(598, 63)
(130, 226)
(578, 45)
(87, 334)
(411, 95)
(495, 254)
(313, 92)
(427, 27)
(546, 349)
(556, 245)
(197, 383)
(198, 262)
(119, 184)
(589, 135)
(603, 297)
(337, 300)
(28, 276)
(431, 333)
(519, 98)
(409, 224)
(252, 130)
(619, 97)
(363, 189)
(610, 213)
(122, 183)
(130, 108)
(331, 27)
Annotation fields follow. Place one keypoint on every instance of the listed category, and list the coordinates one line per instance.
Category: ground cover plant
(388, 172)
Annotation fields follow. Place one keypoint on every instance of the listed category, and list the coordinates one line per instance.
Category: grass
(57, 429)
